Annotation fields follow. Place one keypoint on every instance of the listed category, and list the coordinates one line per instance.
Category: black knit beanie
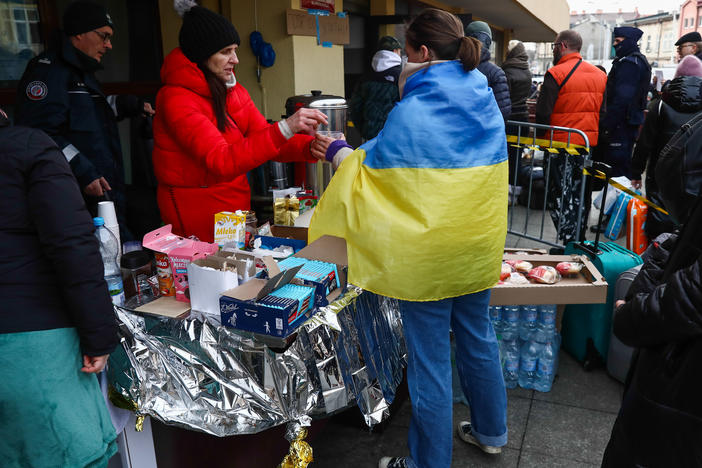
(205, 32)
(81, 17)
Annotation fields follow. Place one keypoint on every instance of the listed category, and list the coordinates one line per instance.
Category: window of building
(700, 22)
(20, 39)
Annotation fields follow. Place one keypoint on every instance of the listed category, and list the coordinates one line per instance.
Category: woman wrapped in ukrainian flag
(423, 209)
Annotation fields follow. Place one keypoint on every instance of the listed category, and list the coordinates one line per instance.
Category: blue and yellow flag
(423, 206)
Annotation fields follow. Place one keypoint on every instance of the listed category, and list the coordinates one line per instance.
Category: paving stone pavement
(567, 427)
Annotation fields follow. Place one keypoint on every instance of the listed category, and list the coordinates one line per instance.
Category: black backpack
(679, 169)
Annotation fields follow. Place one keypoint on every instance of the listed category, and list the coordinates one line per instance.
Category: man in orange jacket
(571, 96)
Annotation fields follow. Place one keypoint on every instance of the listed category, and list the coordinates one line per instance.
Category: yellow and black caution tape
(547, 146)
(617, 185)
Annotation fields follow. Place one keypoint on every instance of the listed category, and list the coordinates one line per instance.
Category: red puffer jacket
(200, 170)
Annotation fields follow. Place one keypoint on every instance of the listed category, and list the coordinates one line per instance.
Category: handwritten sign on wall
(331, 28)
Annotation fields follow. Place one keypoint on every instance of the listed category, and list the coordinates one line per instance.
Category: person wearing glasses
(571, 96)
(60, 95)
(690, 44)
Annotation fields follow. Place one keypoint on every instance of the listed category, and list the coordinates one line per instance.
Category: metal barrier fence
(532, 149)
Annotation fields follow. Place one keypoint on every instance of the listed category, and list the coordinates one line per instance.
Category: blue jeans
(426, 327)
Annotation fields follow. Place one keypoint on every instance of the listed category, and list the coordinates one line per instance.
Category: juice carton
(229, 227)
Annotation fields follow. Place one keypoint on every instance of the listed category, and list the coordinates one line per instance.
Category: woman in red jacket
(207, 132)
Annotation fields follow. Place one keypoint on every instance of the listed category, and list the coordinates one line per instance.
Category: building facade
(690, 17)
(659, 36)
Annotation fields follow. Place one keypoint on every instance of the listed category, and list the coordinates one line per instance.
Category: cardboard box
(332, 28)
(292, 232)
(208, 280)
(589, 287)
(238, 306)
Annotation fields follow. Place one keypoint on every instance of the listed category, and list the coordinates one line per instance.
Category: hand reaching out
(306, 120)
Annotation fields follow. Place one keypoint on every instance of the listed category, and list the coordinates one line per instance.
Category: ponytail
(469, 53)
(442, 33)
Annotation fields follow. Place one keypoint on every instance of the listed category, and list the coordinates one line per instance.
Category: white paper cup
(106, 210)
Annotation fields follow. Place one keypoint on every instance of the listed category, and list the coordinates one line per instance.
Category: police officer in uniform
(59, 94)
(626, 98)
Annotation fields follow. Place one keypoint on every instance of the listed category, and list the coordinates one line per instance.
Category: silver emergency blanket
(196, 374)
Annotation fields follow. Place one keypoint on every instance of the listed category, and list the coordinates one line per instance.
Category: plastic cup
(331, 134)
(106, 210)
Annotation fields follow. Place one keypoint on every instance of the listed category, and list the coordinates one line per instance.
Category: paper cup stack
(106, 210)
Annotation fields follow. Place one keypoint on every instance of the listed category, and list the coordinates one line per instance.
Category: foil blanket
(196, 374)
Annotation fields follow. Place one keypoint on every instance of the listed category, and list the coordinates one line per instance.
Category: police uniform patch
(37, 90)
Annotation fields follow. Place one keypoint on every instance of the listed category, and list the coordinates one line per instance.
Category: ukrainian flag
(423, 206)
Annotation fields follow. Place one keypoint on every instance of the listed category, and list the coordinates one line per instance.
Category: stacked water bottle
(529, 344)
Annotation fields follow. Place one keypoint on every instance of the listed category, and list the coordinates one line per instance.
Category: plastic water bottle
(510, 323)
(546, 324)
(528, 361)
(496, 318)
(510, 368)
(109, 250)
(545, 368)
(527, 322)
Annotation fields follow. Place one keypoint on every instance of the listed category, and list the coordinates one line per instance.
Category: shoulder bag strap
(569, 75)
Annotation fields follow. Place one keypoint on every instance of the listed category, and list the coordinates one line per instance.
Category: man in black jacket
(59, 94)
(494, 74)
(626, 98)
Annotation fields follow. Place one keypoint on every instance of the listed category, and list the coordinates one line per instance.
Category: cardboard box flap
(328, 249)
(165, 306)
(246, 291)
(278, 281)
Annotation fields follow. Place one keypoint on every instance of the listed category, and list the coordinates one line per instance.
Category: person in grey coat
(494, 74)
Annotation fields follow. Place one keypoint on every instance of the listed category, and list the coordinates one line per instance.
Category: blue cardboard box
(239, 307)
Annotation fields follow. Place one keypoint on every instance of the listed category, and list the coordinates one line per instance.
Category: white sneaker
(465, 432)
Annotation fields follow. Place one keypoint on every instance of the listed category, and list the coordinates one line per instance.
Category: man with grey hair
(571, 96)
(690, 44)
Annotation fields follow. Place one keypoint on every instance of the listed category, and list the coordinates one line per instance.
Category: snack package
(545, 275)
(286, 210)
(516, 278)
(506, 271)
(180, 258)
(165, 277)
(523, 266)
(307, 200)
(162, 241)
(229, 227)
(567, 269)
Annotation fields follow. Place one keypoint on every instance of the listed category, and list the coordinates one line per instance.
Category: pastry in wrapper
(545, 274)
(569, 268)
(516, 278)
(506, 271)
(522, 266)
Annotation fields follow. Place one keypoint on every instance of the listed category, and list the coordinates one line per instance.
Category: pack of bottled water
(529, 344)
